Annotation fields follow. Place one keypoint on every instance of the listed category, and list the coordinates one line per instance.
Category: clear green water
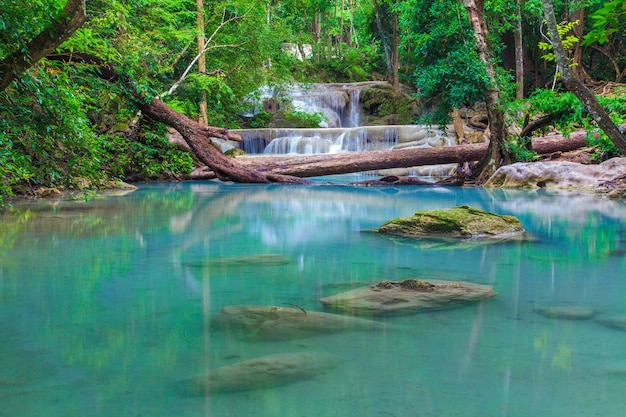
(102, 314)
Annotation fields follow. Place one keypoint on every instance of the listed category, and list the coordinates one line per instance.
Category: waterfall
(342, 132)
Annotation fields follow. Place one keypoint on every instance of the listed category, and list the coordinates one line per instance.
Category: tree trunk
(396, 53)
(576, 86)
(66, 23)
(577, 57)
(519, 54)
(496, 154)
(384, 40)
(202, 106)
(345, 163)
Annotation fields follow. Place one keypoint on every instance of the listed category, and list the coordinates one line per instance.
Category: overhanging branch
(62, 28)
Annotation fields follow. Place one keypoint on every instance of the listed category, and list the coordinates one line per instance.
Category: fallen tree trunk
(197, 137)
(345, 163)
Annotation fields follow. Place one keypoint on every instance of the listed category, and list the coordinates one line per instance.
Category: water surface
(105, 305)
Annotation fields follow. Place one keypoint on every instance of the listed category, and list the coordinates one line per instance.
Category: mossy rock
(461, 222)
(234, 152)
(381, 105)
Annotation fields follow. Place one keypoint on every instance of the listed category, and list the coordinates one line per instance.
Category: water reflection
(105, 304)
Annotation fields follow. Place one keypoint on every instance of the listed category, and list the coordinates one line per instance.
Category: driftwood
(343, 163)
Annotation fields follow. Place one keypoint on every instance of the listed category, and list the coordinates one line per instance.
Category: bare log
(344, 163)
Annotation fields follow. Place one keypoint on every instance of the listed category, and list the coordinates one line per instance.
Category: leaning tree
(577, 87)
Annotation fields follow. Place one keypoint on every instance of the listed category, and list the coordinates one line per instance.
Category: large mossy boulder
(461, 222)
(264, 323)
(381, 105)
(259, 373)
(407, 297)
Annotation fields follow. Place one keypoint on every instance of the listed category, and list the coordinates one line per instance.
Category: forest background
(62, 124)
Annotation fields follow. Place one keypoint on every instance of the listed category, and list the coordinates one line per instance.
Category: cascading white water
(340, 105)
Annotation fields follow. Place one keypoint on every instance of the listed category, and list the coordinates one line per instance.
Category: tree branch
(62, 28)
(206, 48)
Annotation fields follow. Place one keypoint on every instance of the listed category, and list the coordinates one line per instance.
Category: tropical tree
(576, 86)
(497, 154)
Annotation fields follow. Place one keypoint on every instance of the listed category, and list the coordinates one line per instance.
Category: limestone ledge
(608, 177)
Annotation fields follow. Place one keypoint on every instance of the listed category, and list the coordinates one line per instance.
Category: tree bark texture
(577, 87)
(66, 23)
(519, 53)
(202, 106)
(496, 154)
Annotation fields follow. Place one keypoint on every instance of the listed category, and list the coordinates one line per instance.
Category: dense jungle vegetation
(61, 125)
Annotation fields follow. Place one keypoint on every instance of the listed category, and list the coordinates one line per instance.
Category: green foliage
(448, 72)
(22, 20)
(149, 156)
(518, 149)
(567, 40)
(260, 120)
(53, 135)
(451, 82)
(604, 147)
(223, 105)
(615, 105)
(355, 65)
(568, 114)
(565, 108)
(55, 143)
(302, 119)
(607, 21)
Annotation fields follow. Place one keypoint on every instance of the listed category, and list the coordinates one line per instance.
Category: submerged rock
(461, 222)
(264, 259)
(282, 323)
(618, 323)
(407, 297)
(566, 313)
(260, 373)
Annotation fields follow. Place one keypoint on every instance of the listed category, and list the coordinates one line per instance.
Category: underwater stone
(566, 313)
(264, 259)
(618, 323)
(261, 323)
(407, 297)
(260, 373)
